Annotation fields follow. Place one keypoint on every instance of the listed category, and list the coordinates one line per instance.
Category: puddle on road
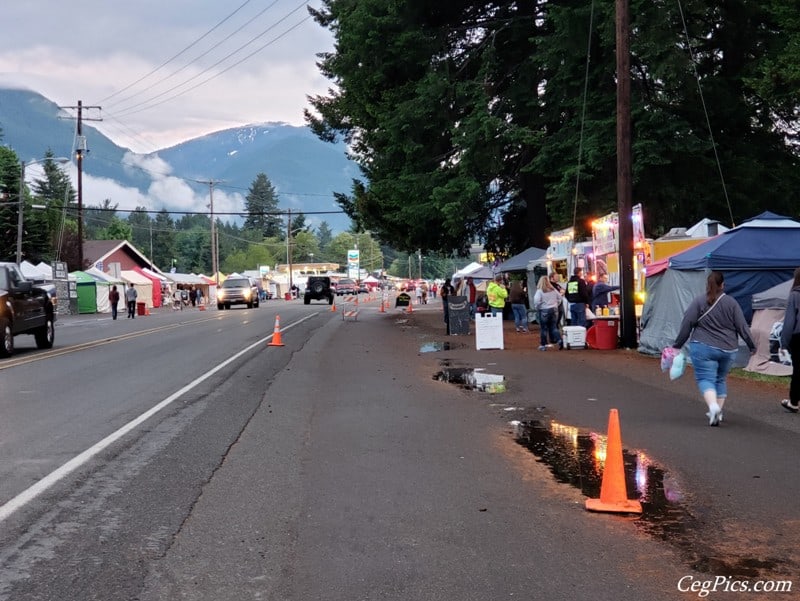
(472, 379)
(432, 347)
(577, 457)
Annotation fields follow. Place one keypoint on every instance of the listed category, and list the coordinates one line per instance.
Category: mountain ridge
(305, 171)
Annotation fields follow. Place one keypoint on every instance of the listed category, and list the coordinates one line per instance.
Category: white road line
(73, 464)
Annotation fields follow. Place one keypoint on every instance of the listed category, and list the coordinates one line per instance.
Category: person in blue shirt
(600, 292)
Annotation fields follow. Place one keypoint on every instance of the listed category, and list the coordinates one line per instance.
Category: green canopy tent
(87, 291)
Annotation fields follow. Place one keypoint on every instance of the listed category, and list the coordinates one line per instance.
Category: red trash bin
(141, 309)
(603, 334)
(287, 296)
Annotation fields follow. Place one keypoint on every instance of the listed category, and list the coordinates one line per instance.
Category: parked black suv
(318, 287)
(24, 309)
(237, 290)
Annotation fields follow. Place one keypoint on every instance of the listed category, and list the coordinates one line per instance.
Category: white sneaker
(714, 416)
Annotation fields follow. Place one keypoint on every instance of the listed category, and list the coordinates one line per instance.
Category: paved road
(336, 467)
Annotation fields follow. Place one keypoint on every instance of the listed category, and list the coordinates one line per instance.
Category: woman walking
(546, 302)
(790, 340)
(712, 324)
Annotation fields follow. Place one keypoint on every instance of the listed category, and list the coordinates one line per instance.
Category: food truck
(565, 254)
(605, 239)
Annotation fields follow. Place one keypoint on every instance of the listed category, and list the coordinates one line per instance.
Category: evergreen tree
(43, 227)
(141, 227)
(261, 203)
(324, 237)
(468, 125)
(163, 240)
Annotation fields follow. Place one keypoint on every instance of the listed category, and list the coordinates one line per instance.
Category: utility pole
(214, 239)
(82, 148)
(624, 177)
(288, 251)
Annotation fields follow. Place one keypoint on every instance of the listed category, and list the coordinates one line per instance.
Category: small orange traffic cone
(613, 493)
(333, 305)
(383, 310)
(410, 310)
(276, 333)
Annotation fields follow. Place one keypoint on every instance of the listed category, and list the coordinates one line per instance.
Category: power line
(169, 60)
(134, 109)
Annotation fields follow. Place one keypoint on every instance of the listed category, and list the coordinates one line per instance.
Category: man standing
(497, 295)
(130, 298)
(578, 296)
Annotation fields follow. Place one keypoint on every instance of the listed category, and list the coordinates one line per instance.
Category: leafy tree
(117, 229)
(467, 123)
(251, 258)
(304, 244)
(261, 203)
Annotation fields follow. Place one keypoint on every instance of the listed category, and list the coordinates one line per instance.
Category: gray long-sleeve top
(791, 325)
(720, 328)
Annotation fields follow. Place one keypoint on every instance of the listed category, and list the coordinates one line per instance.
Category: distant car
(318, 287)
(363, 289)
(346, 286)
(237, 290)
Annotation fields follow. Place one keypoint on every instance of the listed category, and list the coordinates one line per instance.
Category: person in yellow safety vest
(497, 294)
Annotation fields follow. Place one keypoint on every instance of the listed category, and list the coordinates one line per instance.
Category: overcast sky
(96, 51)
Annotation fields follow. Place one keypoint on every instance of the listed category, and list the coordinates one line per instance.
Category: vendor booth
(142, 285)
(760, 253)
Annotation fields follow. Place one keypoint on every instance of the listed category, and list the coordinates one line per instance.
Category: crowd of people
(711, 327)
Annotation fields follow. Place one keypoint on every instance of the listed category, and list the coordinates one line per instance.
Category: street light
(21, 201)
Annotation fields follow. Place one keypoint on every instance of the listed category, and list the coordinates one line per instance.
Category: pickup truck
(24, 309)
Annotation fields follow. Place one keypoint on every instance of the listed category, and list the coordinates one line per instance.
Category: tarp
(479, 273)
(33, 273)
(102, 275)
(769, 307)
(87, 292)
(156, 281)
(760, 253)
(520, 262)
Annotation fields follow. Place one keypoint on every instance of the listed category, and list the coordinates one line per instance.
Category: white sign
(489, 331)
(353, 266)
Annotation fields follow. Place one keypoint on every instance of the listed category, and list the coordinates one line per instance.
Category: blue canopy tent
(754, 256)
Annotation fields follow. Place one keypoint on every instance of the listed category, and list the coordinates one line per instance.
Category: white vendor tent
(768, 309)
(143, 286)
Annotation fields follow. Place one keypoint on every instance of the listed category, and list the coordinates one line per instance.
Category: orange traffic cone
(276, 333)
(383, 310)
(333, 305)
(410, 310)
(613, 493)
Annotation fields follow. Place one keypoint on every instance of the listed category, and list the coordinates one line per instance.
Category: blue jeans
(711, 367)
(496, 310)
(577, 313)
(548, 326)
(520, 316)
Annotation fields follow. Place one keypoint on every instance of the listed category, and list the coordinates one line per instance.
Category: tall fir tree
(261, 203)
